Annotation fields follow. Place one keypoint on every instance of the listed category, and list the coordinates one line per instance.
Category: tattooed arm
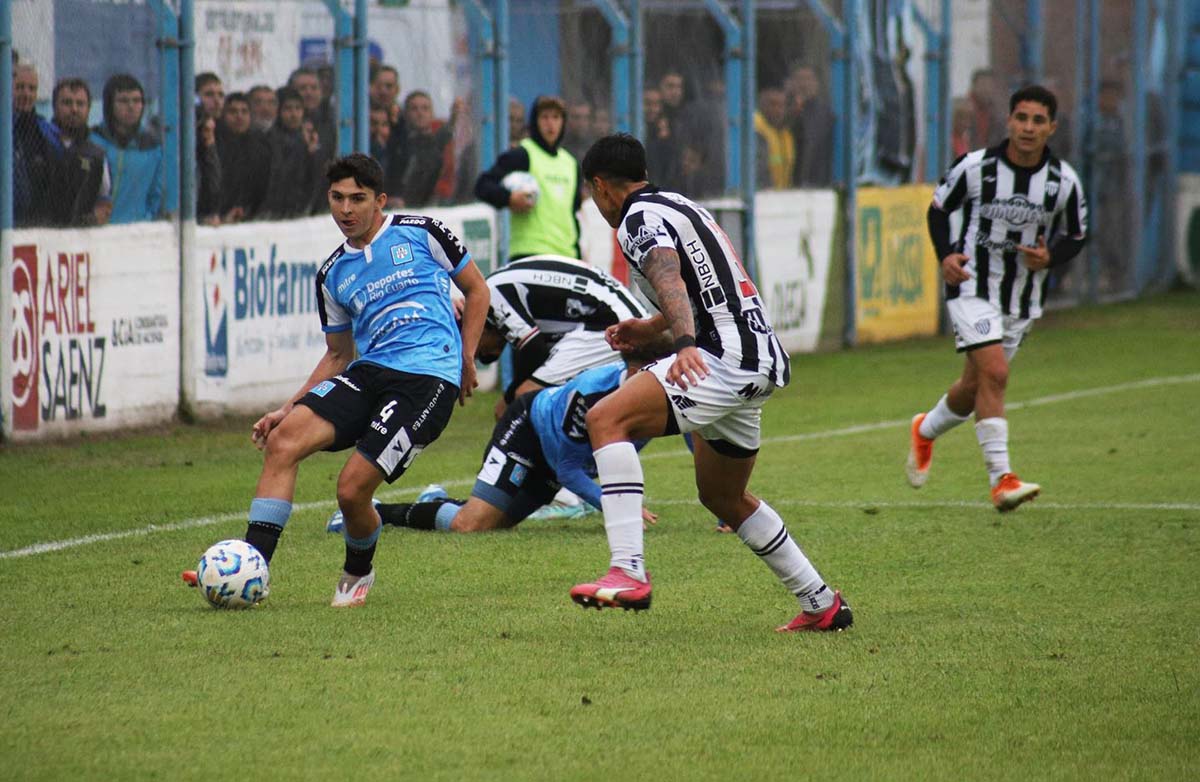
(661, 268)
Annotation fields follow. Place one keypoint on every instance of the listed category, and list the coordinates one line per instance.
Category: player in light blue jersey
(385, 296)
(539, 445)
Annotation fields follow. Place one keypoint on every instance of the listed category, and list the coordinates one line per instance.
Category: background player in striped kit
(1023, 213)
(553, 310)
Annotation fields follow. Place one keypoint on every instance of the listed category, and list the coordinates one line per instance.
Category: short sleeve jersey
(394, 295)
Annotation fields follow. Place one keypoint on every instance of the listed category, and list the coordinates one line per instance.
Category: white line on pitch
(904, 422)
(204, 521)
(59, 545)
(909, 504)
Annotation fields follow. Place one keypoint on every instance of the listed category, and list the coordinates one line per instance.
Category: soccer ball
(521, 182)
(232, 574)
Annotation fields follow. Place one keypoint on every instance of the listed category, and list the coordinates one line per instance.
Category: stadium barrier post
(6, 206)
(850, 11)
(362, 141)
(187, 194)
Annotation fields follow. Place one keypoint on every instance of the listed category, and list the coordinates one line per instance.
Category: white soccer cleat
(352, 590)
(1011, 491)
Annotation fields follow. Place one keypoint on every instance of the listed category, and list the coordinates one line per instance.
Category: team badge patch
(322, 388)
(402, 253)
(983, 326)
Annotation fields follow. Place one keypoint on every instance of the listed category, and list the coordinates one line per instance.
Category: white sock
(766, 535)
(940, 419)
(993, 439)
(621, 491)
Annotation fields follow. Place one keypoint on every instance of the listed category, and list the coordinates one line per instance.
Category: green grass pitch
(1057, 642)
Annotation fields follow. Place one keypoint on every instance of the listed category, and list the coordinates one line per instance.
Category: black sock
(423, 515)
(358, 561)
(263, 537)
(394, 513)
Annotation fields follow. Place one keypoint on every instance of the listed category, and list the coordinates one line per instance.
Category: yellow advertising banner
(897, 285)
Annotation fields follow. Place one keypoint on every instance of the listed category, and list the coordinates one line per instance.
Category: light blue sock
(445, 515)
(361, 544)
(275, 513)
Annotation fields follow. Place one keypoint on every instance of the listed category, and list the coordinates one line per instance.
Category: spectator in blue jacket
(135, 156)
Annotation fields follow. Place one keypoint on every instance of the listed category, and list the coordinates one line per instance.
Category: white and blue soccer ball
(233, 574)
(521, 182)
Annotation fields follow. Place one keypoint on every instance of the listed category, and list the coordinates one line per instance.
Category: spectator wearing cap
(545, 222)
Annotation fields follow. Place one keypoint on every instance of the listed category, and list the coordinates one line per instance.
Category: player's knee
(352, 492)
(602, 425)
(470, 519)
(284, 447)
(994, 375)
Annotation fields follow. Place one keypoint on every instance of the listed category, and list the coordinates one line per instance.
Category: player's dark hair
(617, 156)
(660, 346)
(70, 83)
(1037, 94)
(363, 169)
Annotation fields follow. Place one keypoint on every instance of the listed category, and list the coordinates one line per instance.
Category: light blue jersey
(395, 296)
(559, 416)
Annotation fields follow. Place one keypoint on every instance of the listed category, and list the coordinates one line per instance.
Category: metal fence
(836, 94)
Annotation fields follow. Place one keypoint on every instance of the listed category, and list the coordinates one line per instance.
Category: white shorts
(978, 322)
(575, 352)
(725, 408)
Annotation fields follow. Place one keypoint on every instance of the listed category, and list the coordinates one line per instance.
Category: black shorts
(391, 416)
(515, 477)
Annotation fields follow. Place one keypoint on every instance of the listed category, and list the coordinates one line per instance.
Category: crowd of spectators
(260, 153)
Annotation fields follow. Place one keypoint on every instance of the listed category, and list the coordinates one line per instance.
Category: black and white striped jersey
(1005, 206)
(551, 295)
(729, 316)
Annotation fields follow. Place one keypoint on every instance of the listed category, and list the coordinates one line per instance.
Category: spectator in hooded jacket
(135, 156)
(545, 222)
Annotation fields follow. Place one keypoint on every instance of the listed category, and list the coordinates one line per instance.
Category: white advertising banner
(255, 335)
(249, 42)
(793, 240)
(92, 342)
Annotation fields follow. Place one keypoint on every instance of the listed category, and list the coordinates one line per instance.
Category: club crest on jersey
(402, 253)
(1052, 189)
(983, 326)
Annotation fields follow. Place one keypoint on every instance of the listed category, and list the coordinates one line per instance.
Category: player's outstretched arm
(661, 268)
(339, 352)
(475, 290)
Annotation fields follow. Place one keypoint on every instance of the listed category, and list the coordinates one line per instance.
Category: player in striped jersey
(1023, 212)
(553, 311)
(727, 363)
